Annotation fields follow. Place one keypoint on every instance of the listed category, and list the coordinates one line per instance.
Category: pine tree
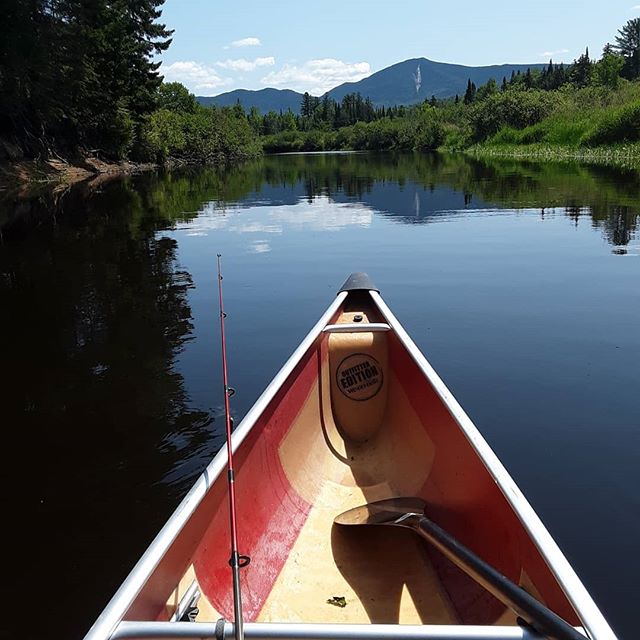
(470, 93)
(559, 76)
(325, 108)
(238, 109)
(369, 110)
(305, 105)
(528, 79)
(255, 120)
(79, 72)
(580, 73)
(628, 45)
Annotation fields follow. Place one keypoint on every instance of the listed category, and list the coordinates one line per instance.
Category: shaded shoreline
(25, 176)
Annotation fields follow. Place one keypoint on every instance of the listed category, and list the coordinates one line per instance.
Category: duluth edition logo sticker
(359, 376)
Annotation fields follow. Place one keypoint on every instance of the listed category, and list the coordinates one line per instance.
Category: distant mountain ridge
(406, 82)
(265, 99)
(417, 79)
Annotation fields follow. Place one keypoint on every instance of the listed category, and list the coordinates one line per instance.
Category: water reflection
(95, 311)
(108, 333)
(423, 188)
(320, 214)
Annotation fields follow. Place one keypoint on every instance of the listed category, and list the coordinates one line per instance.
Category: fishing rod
(236, 561)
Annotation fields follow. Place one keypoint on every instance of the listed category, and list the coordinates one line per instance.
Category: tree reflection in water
(95, 312)
(101, 438)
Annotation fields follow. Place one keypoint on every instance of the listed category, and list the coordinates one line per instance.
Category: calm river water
(520, 282)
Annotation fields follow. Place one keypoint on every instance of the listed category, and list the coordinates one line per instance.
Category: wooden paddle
(410, 513)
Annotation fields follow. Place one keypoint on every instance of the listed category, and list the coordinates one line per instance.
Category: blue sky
(221, 45)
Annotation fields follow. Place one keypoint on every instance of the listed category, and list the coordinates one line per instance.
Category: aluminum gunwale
(593, 620)
(302, 631)
(112, 614)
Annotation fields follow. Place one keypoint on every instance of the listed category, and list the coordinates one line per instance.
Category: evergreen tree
(470, 93)
(305, 106)
(79, 72)
(369, 112)
(528, 79)
(580, 74)
(628, 45)
(433, 102)
(238, 109)
(254, 119)
(326, 108)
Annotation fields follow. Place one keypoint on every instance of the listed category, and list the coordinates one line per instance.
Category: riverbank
(620, 155)
(55, 173)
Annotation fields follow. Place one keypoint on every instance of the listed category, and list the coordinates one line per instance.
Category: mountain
(265, 99)
(418, 79)
(406, 82)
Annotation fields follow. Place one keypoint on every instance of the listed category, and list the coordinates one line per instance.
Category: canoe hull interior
(315, 452)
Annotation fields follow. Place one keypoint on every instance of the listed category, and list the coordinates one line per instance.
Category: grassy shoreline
(625, 155)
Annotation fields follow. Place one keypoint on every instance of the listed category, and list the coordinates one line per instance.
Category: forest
(79, 79)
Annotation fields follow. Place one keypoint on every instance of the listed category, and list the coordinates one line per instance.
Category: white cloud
(260, 246)
(240, 64)
(246, 42)
(549, 54)
(322, 214)
(197, 77)
(317, 76)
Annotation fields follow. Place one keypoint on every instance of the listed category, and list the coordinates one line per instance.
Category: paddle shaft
(234, 561)
(526, 606)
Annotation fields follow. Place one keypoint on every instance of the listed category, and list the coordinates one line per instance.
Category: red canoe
(356, 415)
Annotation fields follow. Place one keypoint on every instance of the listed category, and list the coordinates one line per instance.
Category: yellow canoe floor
(384, 573)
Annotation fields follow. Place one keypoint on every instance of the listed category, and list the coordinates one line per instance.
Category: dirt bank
(58, 173)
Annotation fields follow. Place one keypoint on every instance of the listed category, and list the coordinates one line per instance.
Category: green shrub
(163, 135)
(516, 109)
(429, 135)
(207, 134)
(618, 125)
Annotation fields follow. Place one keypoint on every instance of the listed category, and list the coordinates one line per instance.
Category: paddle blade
(382, 512)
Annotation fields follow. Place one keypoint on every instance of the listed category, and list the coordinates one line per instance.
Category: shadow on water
(103, 440)
(102, 437)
